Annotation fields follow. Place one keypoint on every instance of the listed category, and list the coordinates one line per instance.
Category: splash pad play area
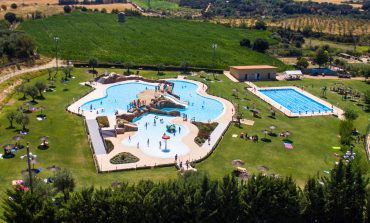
(150, 120)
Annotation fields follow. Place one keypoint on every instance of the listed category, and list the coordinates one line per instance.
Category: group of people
(254, 138)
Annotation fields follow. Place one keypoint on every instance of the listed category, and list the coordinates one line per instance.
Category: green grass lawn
(68, 140)
(312, 137)
(156, 4)
(145, 40)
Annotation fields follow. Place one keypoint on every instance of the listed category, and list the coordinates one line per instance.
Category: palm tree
(22, 119)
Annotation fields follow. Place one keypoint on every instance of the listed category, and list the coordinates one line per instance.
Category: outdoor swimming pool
(118, 97)
(151, 127)
(295, 101)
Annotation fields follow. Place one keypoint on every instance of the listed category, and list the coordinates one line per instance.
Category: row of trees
(341, 197)
(260, 45)
(88, 2)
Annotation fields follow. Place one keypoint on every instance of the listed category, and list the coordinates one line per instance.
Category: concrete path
(51, 64)
(231, 77)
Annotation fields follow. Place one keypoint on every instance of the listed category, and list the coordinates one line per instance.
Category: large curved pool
(148, 138)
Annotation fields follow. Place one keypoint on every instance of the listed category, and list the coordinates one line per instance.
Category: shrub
(123, 158)
(67, 9)
(350, 114)
(260, 45)
(102, 121)
(14, 6)
(260, 25)
(10, 17)
(108, 146)
(245, 43)
(205, 130)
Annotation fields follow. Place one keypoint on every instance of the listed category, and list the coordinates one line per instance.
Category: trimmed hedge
(108, 146)
(102, 121)
(205, 130)
(123, 158)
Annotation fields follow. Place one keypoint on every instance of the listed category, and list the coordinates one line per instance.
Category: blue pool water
(156, 147)
(118, 97)
(295, 101)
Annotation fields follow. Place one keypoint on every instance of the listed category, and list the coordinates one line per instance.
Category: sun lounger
(288, 146)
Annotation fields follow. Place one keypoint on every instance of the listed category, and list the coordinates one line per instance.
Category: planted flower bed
(123, 158)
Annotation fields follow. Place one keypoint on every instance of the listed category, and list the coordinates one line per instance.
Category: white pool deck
(195, 153)
(255, 90)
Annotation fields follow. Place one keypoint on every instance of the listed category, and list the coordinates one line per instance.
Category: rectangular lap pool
(295, 101)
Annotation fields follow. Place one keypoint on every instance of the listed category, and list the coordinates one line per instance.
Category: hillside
(145, 40)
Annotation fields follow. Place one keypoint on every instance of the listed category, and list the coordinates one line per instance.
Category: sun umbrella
(237, 163)
(272, 127)
(255, 110)
(53, 168)
(265, 132)
(165, 137)
(18, 138)
(8, 146)
(44, 138)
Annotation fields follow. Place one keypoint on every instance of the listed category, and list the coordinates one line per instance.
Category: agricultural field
(329, 25)
(145, 40)
(333, 1)
(156, 4)
(310, 42)
(50, 7)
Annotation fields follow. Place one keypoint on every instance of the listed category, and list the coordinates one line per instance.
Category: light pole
(29, 166)
(56, 40)
(214, 46)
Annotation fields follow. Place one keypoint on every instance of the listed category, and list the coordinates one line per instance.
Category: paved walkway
(28, 70)
(231, 77)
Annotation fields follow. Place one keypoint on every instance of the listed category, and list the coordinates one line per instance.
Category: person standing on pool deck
(129, 138)
(160, 144)
(147, 142)
(179, 129)
(175, 157)
(138, 145)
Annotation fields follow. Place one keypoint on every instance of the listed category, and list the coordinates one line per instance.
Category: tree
(307, 31)
(64, 182)
(67, 9)
(245, 42)
(3, 7)
(160, 67)
(321, 57)
(11, 116)
(128, 65)
(260, 45)
(346, 193)
(22, 119)
(10, 17)
(185, 66)
(367, 98)
(260, 25)
(14, 6)
(22, 89)
(24, 206)
(41, 86)
(314, 207)
(302, 63)
(32, 91)
(93, 63)
(345, 132)
(350, 114)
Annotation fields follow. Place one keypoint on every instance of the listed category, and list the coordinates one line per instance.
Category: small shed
(292, 75)
(121, 17)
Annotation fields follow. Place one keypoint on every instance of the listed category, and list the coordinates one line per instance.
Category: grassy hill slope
(145, 40)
